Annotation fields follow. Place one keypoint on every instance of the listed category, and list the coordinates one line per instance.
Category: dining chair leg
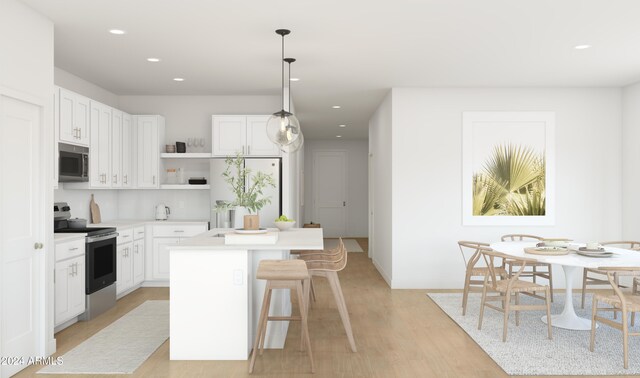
(517, 295)
(534, 275)
(633, 319)
(507, 303)
(625, 338)
(334, 283)
(550, 270)
(482, 302)
(306, 285)
(594, 310)
(313, 289)
(304, 323)
(261, 323)
(548, 303)
(584, 285)
(263, 335)
(465, 293)
(616, 280)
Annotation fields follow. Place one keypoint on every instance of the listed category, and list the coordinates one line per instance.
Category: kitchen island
(215, 298)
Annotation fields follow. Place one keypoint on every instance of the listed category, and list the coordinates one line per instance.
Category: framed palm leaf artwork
(508, 168)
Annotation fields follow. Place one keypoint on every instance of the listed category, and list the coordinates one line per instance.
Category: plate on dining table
(547, 251)
(587, 253)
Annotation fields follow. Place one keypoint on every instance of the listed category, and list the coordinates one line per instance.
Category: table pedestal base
(568, 319)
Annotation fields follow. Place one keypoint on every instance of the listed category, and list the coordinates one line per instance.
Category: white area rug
(527, 350)
(351, 244)
(121, 347)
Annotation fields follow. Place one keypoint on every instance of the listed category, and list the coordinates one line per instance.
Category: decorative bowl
(284, 226)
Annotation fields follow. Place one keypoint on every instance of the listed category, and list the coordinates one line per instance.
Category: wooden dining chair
(509, 288)
(471, 254)
(619, 301)
(596, 277)
(534, 269)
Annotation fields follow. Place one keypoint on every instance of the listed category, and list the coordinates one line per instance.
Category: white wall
(184, 204)
(76, 84)
(381, 151)
(78, 200)
(630, 162)
(427, 135)
(190, 116)
(26, 71)
(357, 182)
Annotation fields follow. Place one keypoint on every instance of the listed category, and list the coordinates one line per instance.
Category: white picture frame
(482, 133)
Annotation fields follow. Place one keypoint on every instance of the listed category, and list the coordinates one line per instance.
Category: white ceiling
(350, 52)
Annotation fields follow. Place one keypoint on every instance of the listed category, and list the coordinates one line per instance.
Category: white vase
(238, 218)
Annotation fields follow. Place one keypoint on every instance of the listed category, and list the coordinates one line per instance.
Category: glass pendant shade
(295, 146)
(283, 128)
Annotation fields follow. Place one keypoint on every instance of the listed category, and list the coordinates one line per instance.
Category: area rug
(527, 350)
(121, 347)
(352, 245)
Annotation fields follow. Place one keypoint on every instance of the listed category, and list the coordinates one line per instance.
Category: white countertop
(65, 237)
(296, 238)
(123, 223)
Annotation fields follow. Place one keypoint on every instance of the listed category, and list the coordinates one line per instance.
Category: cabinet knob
(38, 246)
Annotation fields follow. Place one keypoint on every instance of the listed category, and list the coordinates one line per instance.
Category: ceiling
(350, 53)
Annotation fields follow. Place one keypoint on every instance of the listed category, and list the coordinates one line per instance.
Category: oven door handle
(91, 239)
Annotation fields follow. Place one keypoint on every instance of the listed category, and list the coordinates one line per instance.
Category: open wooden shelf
(185, 186)
(190, 155)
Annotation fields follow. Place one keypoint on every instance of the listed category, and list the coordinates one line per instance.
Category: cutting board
(95, 211)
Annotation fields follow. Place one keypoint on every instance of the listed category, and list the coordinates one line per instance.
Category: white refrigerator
(220, 190)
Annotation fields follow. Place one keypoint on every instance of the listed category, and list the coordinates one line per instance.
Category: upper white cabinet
(241, 134)
(100, 149)
(73, 126)
(116, 148)
(150, 130)
(127, 151)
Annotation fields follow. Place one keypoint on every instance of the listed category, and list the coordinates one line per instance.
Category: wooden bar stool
(282, 274)
(323, 264)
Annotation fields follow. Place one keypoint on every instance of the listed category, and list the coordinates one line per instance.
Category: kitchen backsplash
(137, 204)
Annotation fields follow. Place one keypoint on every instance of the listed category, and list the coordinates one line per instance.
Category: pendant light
(283, 127)
(297, 144)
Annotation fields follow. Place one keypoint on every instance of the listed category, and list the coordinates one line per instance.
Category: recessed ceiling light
(178, 79)
(294, 79)
(336, 106)
(582, 47)
(338, 136)
(117, 31)
(153, 60)
(342, 125)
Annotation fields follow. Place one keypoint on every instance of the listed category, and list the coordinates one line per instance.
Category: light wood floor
(399, 333)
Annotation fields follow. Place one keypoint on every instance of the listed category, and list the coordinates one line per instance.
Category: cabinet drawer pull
(178, 231)
(115, 179)
(73, 249)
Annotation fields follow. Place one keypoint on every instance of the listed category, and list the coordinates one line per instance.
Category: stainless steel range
(100, 260)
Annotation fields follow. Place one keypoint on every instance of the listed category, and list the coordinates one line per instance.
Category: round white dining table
(571, 264)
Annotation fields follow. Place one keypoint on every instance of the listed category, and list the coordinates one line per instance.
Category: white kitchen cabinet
(160, 257)
(241, 134)
(56, 133)
(74, 118)
(69, 281)
(124, 268)
(258, 143)
(138, 262)
(150, 136)
(116, 149)
(127, 151)
(100, 149)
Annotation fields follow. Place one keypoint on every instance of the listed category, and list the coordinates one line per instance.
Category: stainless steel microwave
(73, 163)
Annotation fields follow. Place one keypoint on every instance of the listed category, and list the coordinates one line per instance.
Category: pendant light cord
(282, 62)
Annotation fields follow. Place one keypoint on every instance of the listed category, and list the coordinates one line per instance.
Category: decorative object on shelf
(249, 199)
(172, 177)
(180, 174)
(283, 127)
(197, 181)
(297, 144)
(181, 148)
(170, 148)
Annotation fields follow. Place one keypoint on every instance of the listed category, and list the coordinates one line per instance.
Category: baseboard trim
(384, 274)
(155, 284)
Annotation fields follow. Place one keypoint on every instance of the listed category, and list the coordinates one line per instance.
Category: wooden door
(330, 191)
(258, 143)
(229, 135)
(21, 230)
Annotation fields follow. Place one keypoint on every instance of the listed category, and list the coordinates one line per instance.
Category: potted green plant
(249, 199)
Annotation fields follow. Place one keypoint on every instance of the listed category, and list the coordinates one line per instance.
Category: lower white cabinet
(69, 282)
(160, 264)
(129, 259)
